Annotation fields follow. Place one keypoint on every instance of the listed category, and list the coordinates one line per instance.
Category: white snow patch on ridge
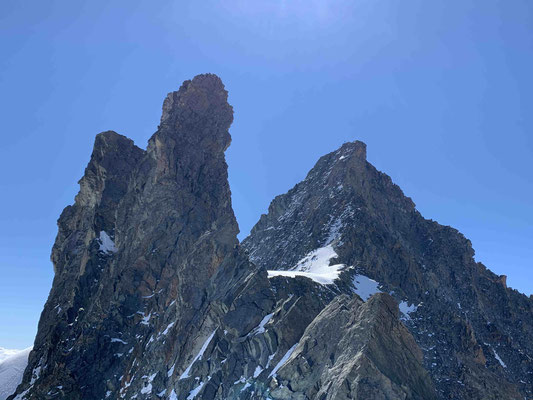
(261, 327)
(257, 371)
(146, 318)
(315, 266)
(498, 358)
(193, 393)
(106, 244)
(198, 356)
(11, 371)
(168, 328)
(147, 389)
(365, 287)
(406, 309)
(282, 361)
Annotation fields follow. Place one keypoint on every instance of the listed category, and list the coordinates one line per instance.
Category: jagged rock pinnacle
(355, 149)
(199, 111)
(154, 297)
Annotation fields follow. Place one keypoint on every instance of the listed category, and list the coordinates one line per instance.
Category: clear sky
(441, 91)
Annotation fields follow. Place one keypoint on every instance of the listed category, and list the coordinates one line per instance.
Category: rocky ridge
(153, 296)
(474, 331)
(370, 355)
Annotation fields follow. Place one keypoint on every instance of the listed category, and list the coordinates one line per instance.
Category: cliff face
(474, 331)
(153, 296)
(136, 252)
(356, 350)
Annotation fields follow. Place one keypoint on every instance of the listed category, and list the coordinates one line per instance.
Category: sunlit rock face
(475, 332)
(355, 350)
(341, 291)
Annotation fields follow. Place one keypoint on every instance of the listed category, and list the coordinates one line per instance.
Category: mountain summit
(341, 291)
(474, 331)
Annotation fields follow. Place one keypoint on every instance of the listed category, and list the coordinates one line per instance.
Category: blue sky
(440, 91)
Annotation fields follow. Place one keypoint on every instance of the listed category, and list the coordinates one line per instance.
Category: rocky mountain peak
(193, 134)
(198, 113)
(351, 293)
(354, 221)
(355, 150)
(113, 156)
(333, 166)
(341, 186)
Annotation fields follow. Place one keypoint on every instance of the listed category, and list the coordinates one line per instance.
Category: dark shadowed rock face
(475, 333)
(153, 297)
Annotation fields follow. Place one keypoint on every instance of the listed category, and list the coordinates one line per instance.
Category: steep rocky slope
(475, 332)
(153, 296)
(356, 350)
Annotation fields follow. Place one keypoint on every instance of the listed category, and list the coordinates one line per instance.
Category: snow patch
(6, 353)
(336, 225)
(242, 379)
(117, 340)
(193, 393)
(171, 371)
(35, 374)
(168, 328)
(198, 356)
(282, 361)
(261, 327)
(106, 244)
(11, 370)
(147, 389)
(258, 371)
(270, 357)
(334, 228)
(315, 266)
(146, 318)
(498, 358)
(406, 309)
(365, 287)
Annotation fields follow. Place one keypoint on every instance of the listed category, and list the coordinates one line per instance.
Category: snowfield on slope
(11, 370)
(5, 353)
(315, 266)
